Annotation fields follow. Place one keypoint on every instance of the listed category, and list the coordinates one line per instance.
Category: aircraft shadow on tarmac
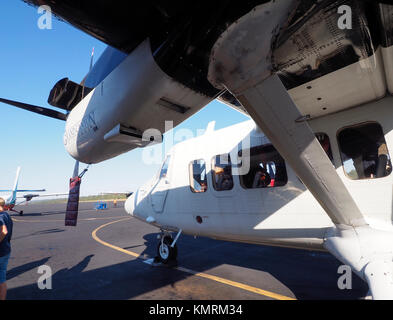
(308, 275)
(25, 268)
(48, 213)
(37, 233)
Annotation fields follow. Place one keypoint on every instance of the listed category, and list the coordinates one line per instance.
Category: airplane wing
(183, 34)
(40, 190)
(43, 195)
(30, 196)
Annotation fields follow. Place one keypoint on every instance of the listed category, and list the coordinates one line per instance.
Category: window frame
(341, 153)
(213, 164)
(191, 175)
(267, 187)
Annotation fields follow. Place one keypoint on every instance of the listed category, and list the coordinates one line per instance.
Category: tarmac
(108, 256)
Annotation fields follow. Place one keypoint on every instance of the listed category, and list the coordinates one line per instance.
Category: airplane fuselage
(284, 215)
(9, 202)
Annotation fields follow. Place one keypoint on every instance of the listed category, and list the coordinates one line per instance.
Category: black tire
(165, 252)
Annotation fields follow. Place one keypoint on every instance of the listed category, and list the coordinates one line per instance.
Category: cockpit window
(198, 176)
(364, 152)
(267, 169)
(165, 166)
(222, 172)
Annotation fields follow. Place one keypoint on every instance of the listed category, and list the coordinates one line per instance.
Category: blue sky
(31, 62)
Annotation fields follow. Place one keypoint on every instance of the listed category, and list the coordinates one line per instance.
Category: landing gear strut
(167, 248)
(19, 212)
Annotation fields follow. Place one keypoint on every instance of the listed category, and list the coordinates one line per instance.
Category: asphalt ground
(104, 257)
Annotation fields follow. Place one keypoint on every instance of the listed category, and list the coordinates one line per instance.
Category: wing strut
(271, 107)
(241, 62)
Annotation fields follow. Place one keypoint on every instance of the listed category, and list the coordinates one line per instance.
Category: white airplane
(307, 72)
(232, 184)
(12, 198)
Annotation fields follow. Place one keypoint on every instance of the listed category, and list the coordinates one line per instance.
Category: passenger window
(364, 153)
(324, 140)
(267, 169)
(222, 172)
(198, 177)
(165, 166)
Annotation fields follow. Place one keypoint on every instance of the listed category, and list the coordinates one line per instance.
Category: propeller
(40, 110)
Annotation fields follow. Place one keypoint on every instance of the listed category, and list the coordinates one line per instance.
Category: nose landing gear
(166, 253)
(167, 248)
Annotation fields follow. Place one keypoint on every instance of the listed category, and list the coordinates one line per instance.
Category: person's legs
(3, 291)
(3, 278)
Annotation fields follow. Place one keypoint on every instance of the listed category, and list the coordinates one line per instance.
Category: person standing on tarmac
(6, 226)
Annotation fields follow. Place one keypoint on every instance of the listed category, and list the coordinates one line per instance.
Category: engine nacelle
(136, 96)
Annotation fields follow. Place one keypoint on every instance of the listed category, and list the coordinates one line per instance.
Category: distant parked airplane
(10, 199)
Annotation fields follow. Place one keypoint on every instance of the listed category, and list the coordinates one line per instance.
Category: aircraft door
(160, 190)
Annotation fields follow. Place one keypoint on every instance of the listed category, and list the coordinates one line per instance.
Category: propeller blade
(40, 110)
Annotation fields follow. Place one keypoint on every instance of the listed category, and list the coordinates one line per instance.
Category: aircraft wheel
(21, 213)
(165, 252)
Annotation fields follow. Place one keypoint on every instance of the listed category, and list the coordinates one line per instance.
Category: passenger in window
(267, 169)
(364, 152)
(223, 178)
(222, 172)
(262, 179)
(388, 168)
(199, 186)
(227, 181)
(323, 139)
(384, 166)
(370, 171)
(218, 176)
(198, 179)
(198, 189)
(271, 167)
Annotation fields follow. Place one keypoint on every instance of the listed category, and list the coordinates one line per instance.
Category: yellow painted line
(236, 284)
(192, 272)
(94, 235)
